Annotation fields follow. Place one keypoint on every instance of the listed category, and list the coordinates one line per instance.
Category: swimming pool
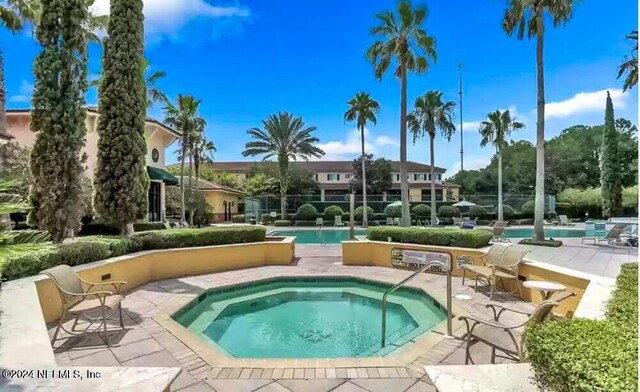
(317, 236)
(552, 233)
(309, 318)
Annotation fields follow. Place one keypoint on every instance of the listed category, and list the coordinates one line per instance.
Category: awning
(158, 174)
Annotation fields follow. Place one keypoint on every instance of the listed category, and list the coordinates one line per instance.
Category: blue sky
(248, 59)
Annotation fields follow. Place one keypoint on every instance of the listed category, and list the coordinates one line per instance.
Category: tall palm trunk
(196, 164)
(500, 214)
(182, 204)
(404, 185)
(434, 217)
(283, 168)
(3, 99)
(191, 198)
(365, 219)
(538, 230)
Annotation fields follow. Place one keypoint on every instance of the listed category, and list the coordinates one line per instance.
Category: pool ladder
(413, 275)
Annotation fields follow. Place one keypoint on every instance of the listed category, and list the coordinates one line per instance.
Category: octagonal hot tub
(309, 318)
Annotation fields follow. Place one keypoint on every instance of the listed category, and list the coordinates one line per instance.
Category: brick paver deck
(146, 343)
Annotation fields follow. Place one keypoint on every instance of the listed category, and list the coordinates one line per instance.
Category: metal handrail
(398, 285)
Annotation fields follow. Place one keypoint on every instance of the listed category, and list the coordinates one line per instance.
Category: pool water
(552, 233)
(309, 318)
(324, 236)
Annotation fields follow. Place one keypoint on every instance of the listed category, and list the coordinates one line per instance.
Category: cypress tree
(610, 171)
(121, 181)
(58, 118)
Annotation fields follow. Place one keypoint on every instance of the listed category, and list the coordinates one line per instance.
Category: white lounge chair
(564, 221)
(319, 222)
(338, 220)
(389, 221)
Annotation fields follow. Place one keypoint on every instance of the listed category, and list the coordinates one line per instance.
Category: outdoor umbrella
(464, 203)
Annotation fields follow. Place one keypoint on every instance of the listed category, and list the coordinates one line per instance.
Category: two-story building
(333, 177)
(159, 136)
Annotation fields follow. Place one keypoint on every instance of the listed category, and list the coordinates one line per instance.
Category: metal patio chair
(501, 264)
(499, 336)
(498, 232)
(78, 298)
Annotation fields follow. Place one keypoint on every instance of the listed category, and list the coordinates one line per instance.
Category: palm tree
(496, 131)
(13, 13)
(185, 119)
(429, 115)
(203, 150)
(630, 65)
(154, 94)
(403, 40)
(528, 15)
(283, 137)
(362, 108)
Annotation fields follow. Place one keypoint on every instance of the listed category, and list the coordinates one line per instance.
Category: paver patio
(146, 343)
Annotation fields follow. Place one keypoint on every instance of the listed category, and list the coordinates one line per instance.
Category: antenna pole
(461, 130)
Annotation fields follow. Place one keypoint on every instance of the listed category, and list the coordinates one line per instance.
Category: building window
(397, 177)
(316, 176)
(155, 196)
(333, 177)
(439, 176)
(347, 175)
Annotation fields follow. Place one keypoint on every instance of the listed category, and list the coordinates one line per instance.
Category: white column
(321, 194)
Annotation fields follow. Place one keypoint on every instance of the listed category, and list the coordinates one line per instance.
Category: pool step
(390, 346)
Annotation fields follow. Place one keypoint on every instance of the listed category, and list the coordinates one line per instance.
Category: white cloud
(585, 102)
(470, 126)
(470, 163)
(24, 93)
(350, 147)
(168, 17)
(473, 126)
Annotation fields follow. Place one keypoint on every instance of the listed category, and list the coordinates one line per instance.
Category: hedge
(528, 209)
(421, 210)
(89, 249)
(238, 218)
(306, 212)
(97, 228)
(477, 212)
(282, 223)
(440, 237)
(393, 211)
(448, 212)
(359, 212)
(507, 212)
(332, 211)
(590, 355)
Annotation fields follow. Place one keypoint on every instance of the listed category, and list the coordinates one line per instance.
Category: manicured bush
(590, 355)
(346, 217)
(359, 212)
(507, 212)
(528, 209)
(332, 211)
(238, 218)
(306, 212)
(379, 216)
(440, 237)
(304, 223)
(477, 212)
(282, 223)
(393, 211)
(138, 227)
(89, 249)
(421, 210)
(448, 212)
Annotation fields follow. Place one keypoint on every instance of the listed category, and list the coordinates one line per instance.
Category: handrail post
(449, 300)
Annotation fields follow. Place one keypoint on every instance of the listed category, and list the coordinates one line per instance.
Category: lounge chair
(499, 336)
(457, 221)
(78, 299)
(498, 232)
(564, 221)
(613, 237)
(501, 264)
(396, 221)
(389, 221)
(319, 222)
(338, 220)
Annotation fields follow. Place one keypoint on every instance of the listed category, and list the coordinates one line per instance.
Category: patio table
(546, 289)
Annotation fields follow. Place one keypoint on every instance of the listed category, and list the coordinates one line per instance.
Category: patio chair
(457, 221)
(498, 232)
(614, 235)
(319, 222)
(493, 257)
(338, 220)
(389, 221)
(505, 269)
(564, 221)
(396, 221)
(499, 336)
(78, 298)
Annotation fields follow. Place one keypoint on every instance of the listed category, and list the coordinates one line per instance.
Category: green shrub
(549, 243)
(238, 218)
(380, 216)
(421, 210)
(137, 227)
(89, 249)
(306, 223)
(346, 217)
(439, 237)
(97, 228)
(528, 209)
(306, 212)
(590, 355)
(448, 212)
(507, 212)
(332, 211)
(359, 212)
(477, 212)
(282, 223)
(393, 211)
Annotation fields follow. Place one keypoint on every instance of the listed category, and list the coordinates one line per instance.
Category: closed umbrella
(464, 203)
